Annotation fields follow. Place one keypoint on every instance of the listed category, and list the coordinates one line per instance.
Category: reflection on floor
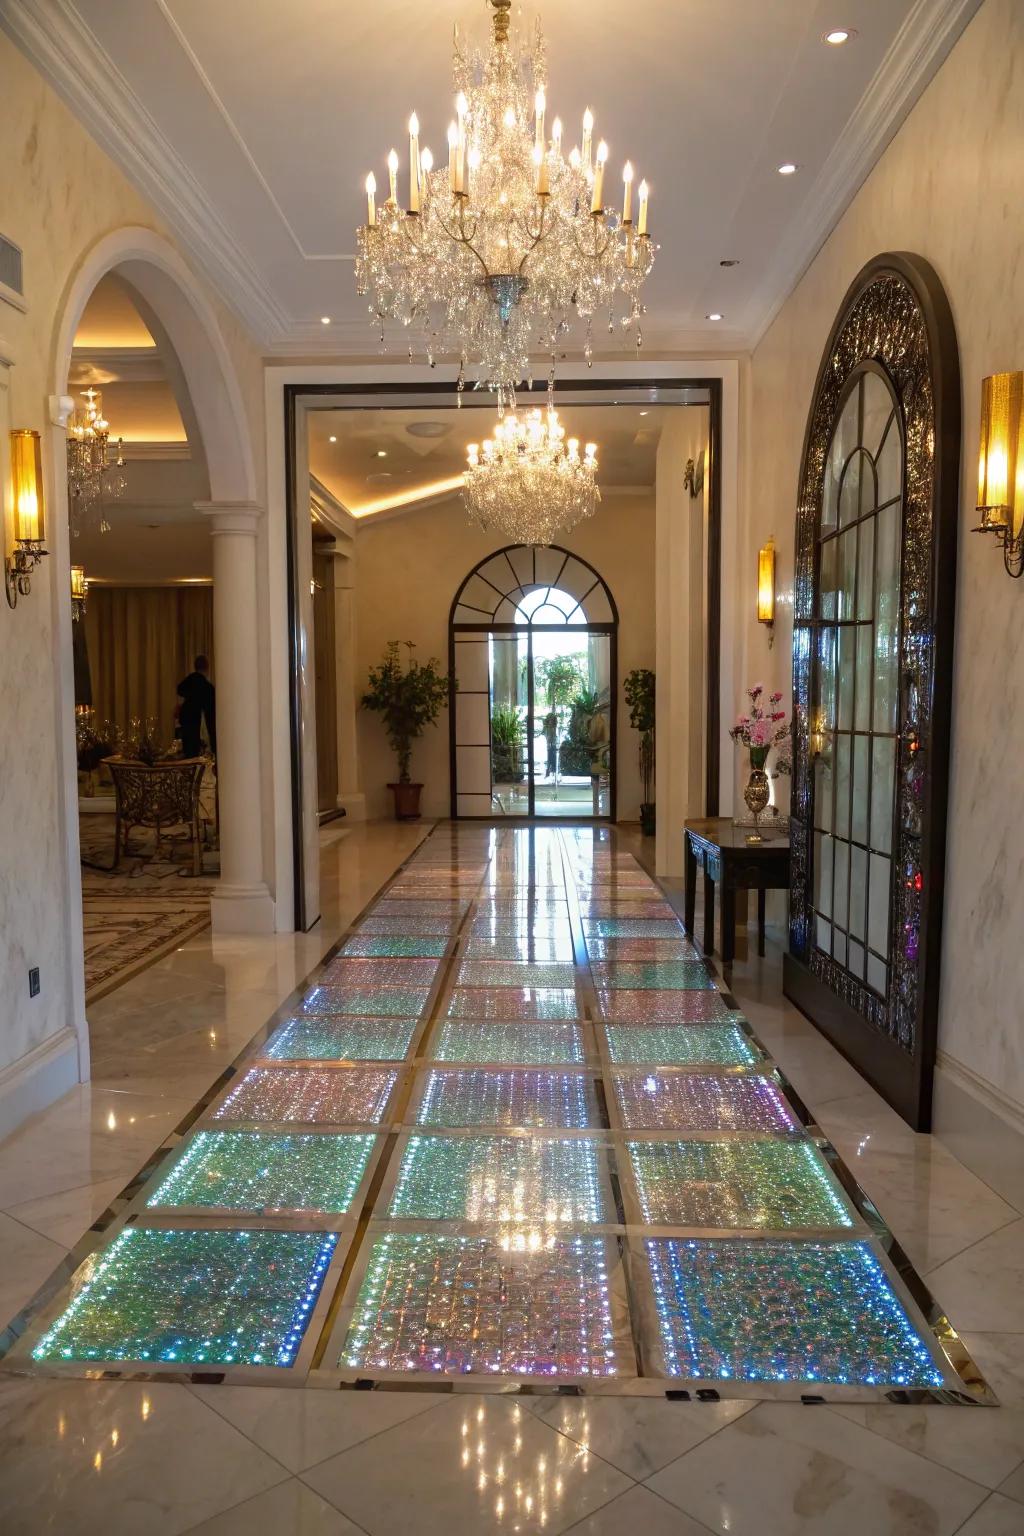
(594, 1177)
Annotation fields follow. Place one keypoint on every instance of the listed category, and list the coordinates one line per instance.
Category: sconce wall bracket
(18, 569)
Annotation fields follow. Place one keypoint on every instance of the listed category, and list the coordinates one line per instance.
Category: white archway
(152, 267)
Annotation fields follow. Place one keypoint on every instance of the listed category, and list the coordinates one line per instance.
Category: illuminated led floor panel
(555, 1041)
(553, 1099)
(408, 925)
(776, 1312)
(393, 1002)
(346, 972)
(523, 927)
(502, 973)
(510, 1179)
(193, 1297)
(524, 948)
(613, 950)
(755, 1184)
(681, 1045)
(695, 1101)
(323, 1039)
(680, 975)
(513, 1003)
(256, 1171)
(672, 1006)
(314, 1095)
(449, 1305)
(442, 907)
(370, 945)
(631, 928)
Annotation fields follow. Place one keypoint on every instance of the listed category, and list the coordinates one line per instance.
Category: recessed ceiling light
(730, 261)
(382, 453)
(787, 168)
(332, 439)
(713, 316)
(838, 36)
(645, 413)
(325, 319)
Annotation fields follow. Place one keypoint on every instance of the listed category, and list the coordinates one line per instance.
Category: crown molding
(57, 41)
(929, 32)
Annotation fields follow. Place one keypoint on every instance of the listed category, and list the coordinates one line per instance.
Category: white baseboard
(354, 806)
(37, 1079)
(242, 909)
(982, 1126)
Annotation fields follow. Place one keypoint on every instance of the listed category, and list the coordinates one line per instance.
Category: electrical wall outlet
(33, 982)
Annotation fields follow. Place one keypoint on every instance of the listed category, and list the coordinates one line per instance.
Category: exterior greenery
(408, 698)
(506, 745)
(639, 688)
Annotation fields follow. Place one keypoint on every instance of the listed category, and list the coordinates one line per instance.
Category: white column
(242, 903)
(351, 798)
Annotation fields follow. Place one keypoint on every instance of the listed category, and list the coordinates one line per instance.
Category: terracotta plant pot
(407, 801)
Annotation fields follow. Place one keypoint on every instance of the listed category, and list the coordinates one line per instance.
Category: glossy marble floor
(591, 1154)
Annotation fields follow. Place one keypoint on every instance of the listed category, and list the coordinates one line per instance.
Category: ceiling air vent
(10, 265)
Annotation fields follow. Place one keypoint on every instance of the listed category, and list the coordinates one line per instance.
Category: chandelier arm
(460, 237)
(534, 239)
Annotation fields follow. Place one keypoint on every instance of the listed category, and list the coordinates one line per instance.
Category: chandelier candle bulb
(414, 164)
(642, 220)
(597, 203)
(393, 174)
(588, 129)
(453, 157)
(627, 195)
(539, 107)
(542, 188)
(371, 200)
(556, 136)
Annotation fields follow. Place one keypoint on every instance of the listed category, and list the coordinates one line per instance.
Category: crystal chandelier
(527, 482)
(93, 478)
(497, 253)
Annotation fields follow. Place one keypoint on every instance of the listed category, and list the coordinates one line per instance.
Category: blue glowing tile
(334, 1039)
(783, 1311)
(517, 1097)
(529, 1044)
(375, 1002)
(681, 1045)
(193, 1298)
(259, 1171)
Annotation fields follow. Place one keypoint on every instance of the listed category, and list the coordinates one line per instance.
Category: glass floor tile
(193, 1297)
(258, 1171)
(315, 1095)
(453, 1304)
(600, 907)
(681, 1045)
(765, 1185)
(442, 907)
(681, 975)
(502, 973)
(513, 1003)
(651, 1007)
(694, 1101)
(783, 1311)
(529, 1044)
(518, 1097)
(408, 925)
(631, 928)
(614, 950)
(525, 948)
(341, 1040)
(390, 1002)
(508, 1179)
(369, 945)
(523, 927)
(345, 972)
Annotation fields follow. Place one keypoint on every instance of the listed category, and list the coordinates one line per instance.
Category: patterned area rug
(139, 912)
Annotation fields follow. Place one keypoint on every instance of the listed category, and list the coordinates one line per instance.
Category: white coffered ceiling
(251, 125)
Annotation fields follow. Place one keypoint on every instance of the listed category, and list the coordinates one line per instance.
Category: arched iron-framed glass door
(534, 667)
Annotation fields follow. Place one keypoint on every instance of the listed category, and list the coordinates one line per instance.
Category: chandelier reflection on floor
(528, 481)
(497, 253)
(93, 477)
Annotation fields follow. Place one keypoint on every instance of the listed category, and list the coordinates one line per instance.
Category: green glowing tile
(783, 1311)
(372, 945)
(502, 973)
(685, 975)
(257, 1171)
(193, 1298)
(526, 948)
(531, 1044)
(681, 1045)
(323, 1039)
(390, 1002)
(511, 1179)
(767, 1185)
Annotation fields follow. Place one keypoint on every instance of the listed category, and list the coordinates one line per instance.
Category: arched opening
(533, 658)
(189, 492)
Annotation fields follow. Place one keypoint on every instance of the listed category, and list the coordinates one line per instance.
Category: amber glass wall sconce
(79, 591)
(27, 508)
(1001, 466)
(766, 588)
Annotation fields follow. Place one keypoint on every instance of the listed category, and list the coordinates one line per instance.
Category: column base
(354, 806)
(242, 909)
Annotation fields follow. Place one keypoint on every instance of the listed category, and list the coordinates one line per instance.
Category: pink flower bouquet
(762, 729)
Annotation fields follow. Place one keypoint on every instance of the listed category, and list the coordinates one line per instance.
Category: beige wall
(951, 188)
(59, 194)
(409, 568)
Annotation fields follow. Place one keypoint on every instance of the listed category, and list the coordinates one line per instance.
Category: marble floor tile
(26, 1260)
(1000, 1358)
(89, 1458)
(998, 1516)
(303, 1428)
(639, 1510)
(68, 1215)
(473, 1465)
(639, 1435)
(1013, 1487)
(985, 1445)
(982, 1288)
(288, 1509)
(793, 1471)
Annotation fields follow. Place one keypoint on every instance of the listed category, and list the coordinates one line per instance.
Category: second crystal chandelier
(528, 482)
(493, 256)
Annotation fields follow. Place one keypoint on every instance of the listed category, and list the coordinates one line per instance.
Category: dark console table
(719, 847)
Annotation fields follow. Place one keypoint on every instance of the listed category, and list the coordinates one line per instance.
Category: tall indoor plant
(639, 690)
(408, 698)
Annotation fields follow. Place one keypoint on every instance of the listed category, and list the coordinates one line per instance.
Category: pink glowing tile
(313, 1095)
(513, 1003)
(695, 1101)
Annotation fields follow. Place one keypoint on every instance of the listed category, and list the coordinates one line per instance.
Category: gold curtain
(142, 642)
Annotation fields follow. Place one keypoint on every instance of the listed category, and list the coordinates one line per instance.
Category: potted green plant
(584, 750)
(506, 745)
(640, 697)
(408, 698)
